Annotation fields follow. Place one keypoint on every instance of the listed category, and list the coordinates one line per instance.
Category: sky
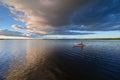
(60, 18)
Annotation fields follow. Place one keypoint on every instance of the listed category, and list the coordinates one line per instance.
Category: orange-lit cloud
(40, 14)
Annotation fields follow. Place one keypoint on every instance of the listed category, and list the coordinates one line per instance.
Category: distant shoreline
(103, 39)
(69, 39)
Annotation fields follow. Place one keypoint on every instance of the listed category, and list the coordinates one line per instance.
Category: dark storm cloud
(60, 14)
(54, 12)
(102, 15)
(44, 15)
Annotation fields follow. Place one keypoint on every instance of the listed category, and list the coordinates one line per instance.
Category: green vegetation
(103, 39)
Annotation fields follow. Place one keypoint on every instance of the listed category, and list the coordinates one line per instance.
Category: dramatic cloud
(103, 15)
(44, 16)
(40, 14)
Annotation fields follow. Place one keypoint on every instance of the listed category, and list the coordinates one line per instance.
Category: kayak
(78, 45)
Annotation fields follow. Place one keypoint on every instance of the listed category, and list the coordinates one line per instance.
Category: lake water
(59, 60)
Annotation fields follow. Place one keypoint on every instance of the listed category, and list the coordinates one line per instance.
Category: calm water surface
(59, 60)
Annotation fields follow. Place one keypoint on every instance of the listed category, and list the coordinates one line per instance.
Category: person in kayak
(81, 43)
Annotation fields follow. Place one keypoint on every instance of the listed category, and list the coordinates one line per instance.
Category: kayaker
(81, 43)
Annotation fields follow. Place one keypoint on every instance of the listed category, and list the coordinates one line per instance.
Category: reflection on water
(59, 60)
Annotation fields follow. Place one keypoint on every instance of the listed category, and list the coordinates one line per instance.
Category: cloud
(17, 27)
(40, 14)
(47, 12)
(45, 16)
(71, 30)
(18, 15)
(100, 16)
(6, 32)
